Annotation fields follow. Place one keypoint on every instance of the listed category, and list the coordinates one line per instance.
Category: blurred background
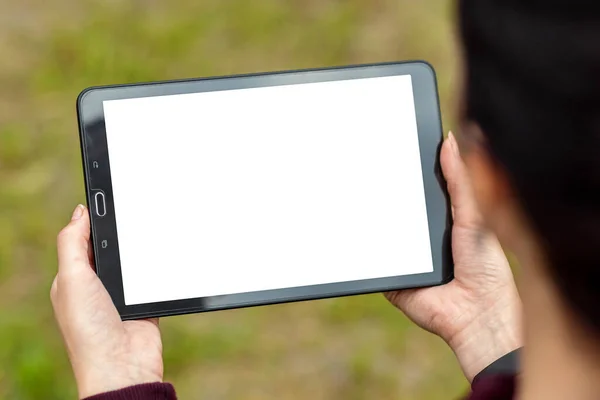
(350, 348)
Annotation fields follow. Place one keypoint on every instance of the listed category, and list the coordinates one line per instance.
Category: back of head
(533, 86)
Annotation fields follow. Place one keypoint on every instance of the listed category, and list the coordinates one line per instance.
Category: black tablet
(236, 191)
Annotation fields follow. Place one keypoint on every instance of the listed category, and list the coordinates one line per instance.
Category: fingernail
(77, 213)
(453, 144)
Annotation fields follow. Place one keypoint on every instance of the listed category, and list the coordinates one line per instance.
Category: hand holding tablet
(106, 353)
(302, 185)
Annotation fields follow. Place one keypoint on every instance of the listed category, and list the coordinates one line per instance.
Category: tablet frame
(96, 168)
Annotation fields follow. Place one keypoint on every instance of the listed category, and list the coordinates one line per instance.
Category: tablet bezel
(96, 167)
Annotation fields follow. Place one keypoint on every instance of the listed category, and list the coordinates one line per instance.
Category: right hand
(478, 313)
(106, 353)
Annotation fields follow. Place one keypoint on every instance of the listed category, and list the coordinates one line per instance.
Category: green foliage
(349, 348)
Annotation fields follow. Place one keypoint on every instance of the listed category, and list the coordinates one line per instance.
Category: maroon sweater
(489, 387)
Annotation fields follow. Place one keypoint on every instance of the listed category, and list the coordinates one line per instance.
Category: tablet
(245, 190)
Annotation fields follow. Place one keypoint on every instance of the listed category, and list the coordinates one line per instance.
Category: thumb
(73, 243)
(459, 187)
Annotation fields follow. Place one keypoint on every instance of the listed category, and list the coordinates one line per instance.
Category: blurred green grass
(349, 348)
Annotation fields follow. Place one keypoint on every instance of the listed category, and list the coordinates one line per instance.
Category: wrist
(493, 334)
(95, 381)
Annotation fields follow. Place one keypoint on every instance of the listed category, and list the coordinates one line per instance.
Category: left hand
(106, 353)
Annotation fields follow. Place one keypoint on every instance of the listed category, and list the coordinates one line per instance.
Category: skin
(477, 314)
(105, 353)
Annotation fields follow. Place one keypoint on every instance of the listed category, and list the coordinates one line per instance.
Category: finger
(400, 298)
(90, 254)
(54, 289)
(459, 187)
(73, 243)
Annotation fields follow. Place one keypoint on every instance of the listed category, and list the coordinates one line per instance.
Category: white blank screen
(266, 188)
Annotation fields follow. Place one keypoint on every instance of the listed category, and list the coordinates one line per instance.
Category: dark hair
(533, 86)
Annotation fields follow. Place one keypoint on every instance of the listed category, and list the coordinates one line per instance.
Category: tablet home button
(100, 204)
